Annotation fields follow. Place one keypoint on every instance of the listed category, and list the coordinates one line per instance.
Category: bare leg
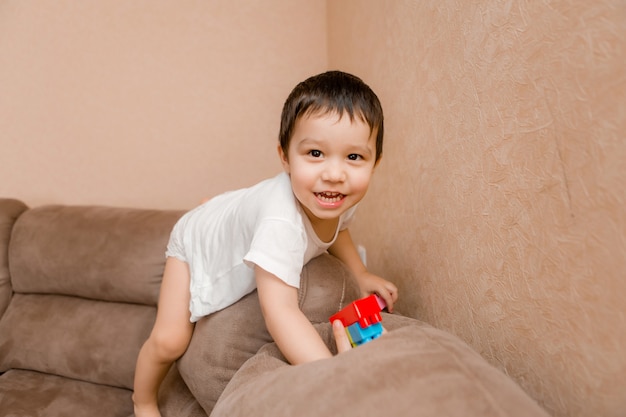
(169, 338)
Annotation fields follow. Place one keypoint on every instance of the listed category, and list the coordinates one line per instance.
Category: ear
(283, 159)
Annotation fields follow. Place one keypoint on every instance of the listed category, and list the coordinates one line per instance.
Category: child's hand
(370, 283)
(341, 337)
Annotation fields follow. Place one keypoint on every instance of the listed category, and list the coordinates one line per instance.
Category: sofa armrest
(414, 369)
(10, 210)
(223, 341)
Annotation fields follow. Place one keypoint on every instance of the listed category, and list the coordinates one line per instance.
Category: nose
(334, 172)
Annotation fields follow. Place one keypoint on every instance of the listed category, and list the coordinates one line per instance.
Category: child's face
(330, 162)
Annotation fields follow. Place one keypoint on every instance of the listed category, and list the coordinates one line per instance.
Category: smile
(330, 197)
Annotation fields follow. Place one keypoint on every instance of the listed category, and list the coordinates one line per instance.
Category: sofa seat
(29, 393)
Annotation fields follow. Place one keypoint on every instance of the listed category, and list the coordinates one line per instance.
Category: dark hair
(332, 92)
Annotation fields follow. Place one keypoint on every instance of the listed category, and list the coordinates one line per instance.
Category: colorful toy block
(361, 318)
(358, 336)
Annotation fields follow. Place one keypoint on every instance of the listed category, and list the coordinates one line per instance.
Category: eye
(315, 153)
(354, 157)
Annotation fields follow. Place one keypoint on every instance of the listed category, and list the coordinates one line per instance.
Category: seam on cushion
(495, 405)
(343, 292)
(304, 286)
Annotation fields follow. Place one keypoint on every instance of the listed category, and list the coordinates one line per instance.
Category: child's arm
(344, 249)
(294, 334)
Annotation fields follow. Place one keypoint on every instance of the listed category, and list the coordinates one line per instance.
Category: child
(331, 137)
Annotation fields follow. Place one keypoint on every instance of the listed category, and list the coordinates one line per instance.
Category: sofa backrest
(100, 253)
(86, 283)
(10, 210)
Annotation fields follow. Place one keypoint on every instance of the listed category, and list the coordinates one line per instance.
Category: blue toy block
(359, 335)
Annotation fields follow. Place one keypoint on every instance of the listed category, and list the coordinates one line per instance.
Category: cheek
(301, 177)
(305, 172)
(362, 179)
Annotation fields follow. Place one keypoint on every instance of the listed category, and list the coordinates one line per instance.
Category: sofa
(78, 293)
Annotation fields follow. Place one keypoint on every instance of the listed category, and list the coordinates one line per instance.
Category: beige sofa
(78, 289)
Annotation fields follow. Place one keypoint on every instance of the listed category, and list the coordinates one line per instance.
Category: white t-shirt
(224, 238)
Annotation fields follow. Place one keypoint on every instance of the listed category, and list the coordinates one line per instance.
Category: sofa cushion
(326, 286)
(10, 210)
(32, 394)
(414, 370)
(223, 341)
(89, 340)
(27, 393)
(175, 399)
(103, 253)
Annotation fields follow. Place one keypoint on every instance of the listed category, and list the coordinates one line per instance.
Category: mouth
(329, 197)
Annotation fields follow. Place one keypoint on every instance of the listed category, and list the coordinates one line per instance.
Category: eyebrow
(304, 142)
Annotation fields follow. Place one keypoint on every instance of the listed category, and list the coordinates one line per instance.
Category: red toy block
(365, 311)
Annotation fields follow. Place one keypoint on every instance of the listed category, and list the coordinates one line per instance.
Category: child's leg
(169, 338)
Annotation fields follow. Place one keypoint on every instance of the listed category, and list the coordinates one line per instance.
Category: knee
(168, 346)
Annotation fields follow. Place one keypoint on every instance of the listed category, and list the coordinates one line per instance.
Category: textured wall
(499, 207)
(147, 103)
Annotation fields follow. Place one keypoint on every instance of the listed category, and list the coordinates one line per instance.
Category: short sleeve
(278, 247)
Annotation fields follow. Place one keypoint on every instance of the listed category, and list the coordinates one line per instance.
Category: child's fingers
(341, 338)
(388, 296)
(393, 290)
(388, 300)
(391, 295)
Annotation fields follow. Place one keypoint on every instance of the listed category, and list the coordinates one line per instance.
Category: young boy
(260, 237)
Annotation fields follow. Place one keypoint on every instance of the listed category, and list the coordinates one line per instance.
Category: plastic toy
(361, 318)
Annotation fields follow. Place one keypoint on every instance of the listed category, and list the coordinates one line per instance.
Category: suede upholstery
(415, 370)
(223, 341)
(123, 252)
(80, 286)
(10, 210)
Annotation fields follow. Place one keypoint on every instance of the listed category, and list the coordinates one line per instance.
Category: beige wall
(499, 204)
(147, 103)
